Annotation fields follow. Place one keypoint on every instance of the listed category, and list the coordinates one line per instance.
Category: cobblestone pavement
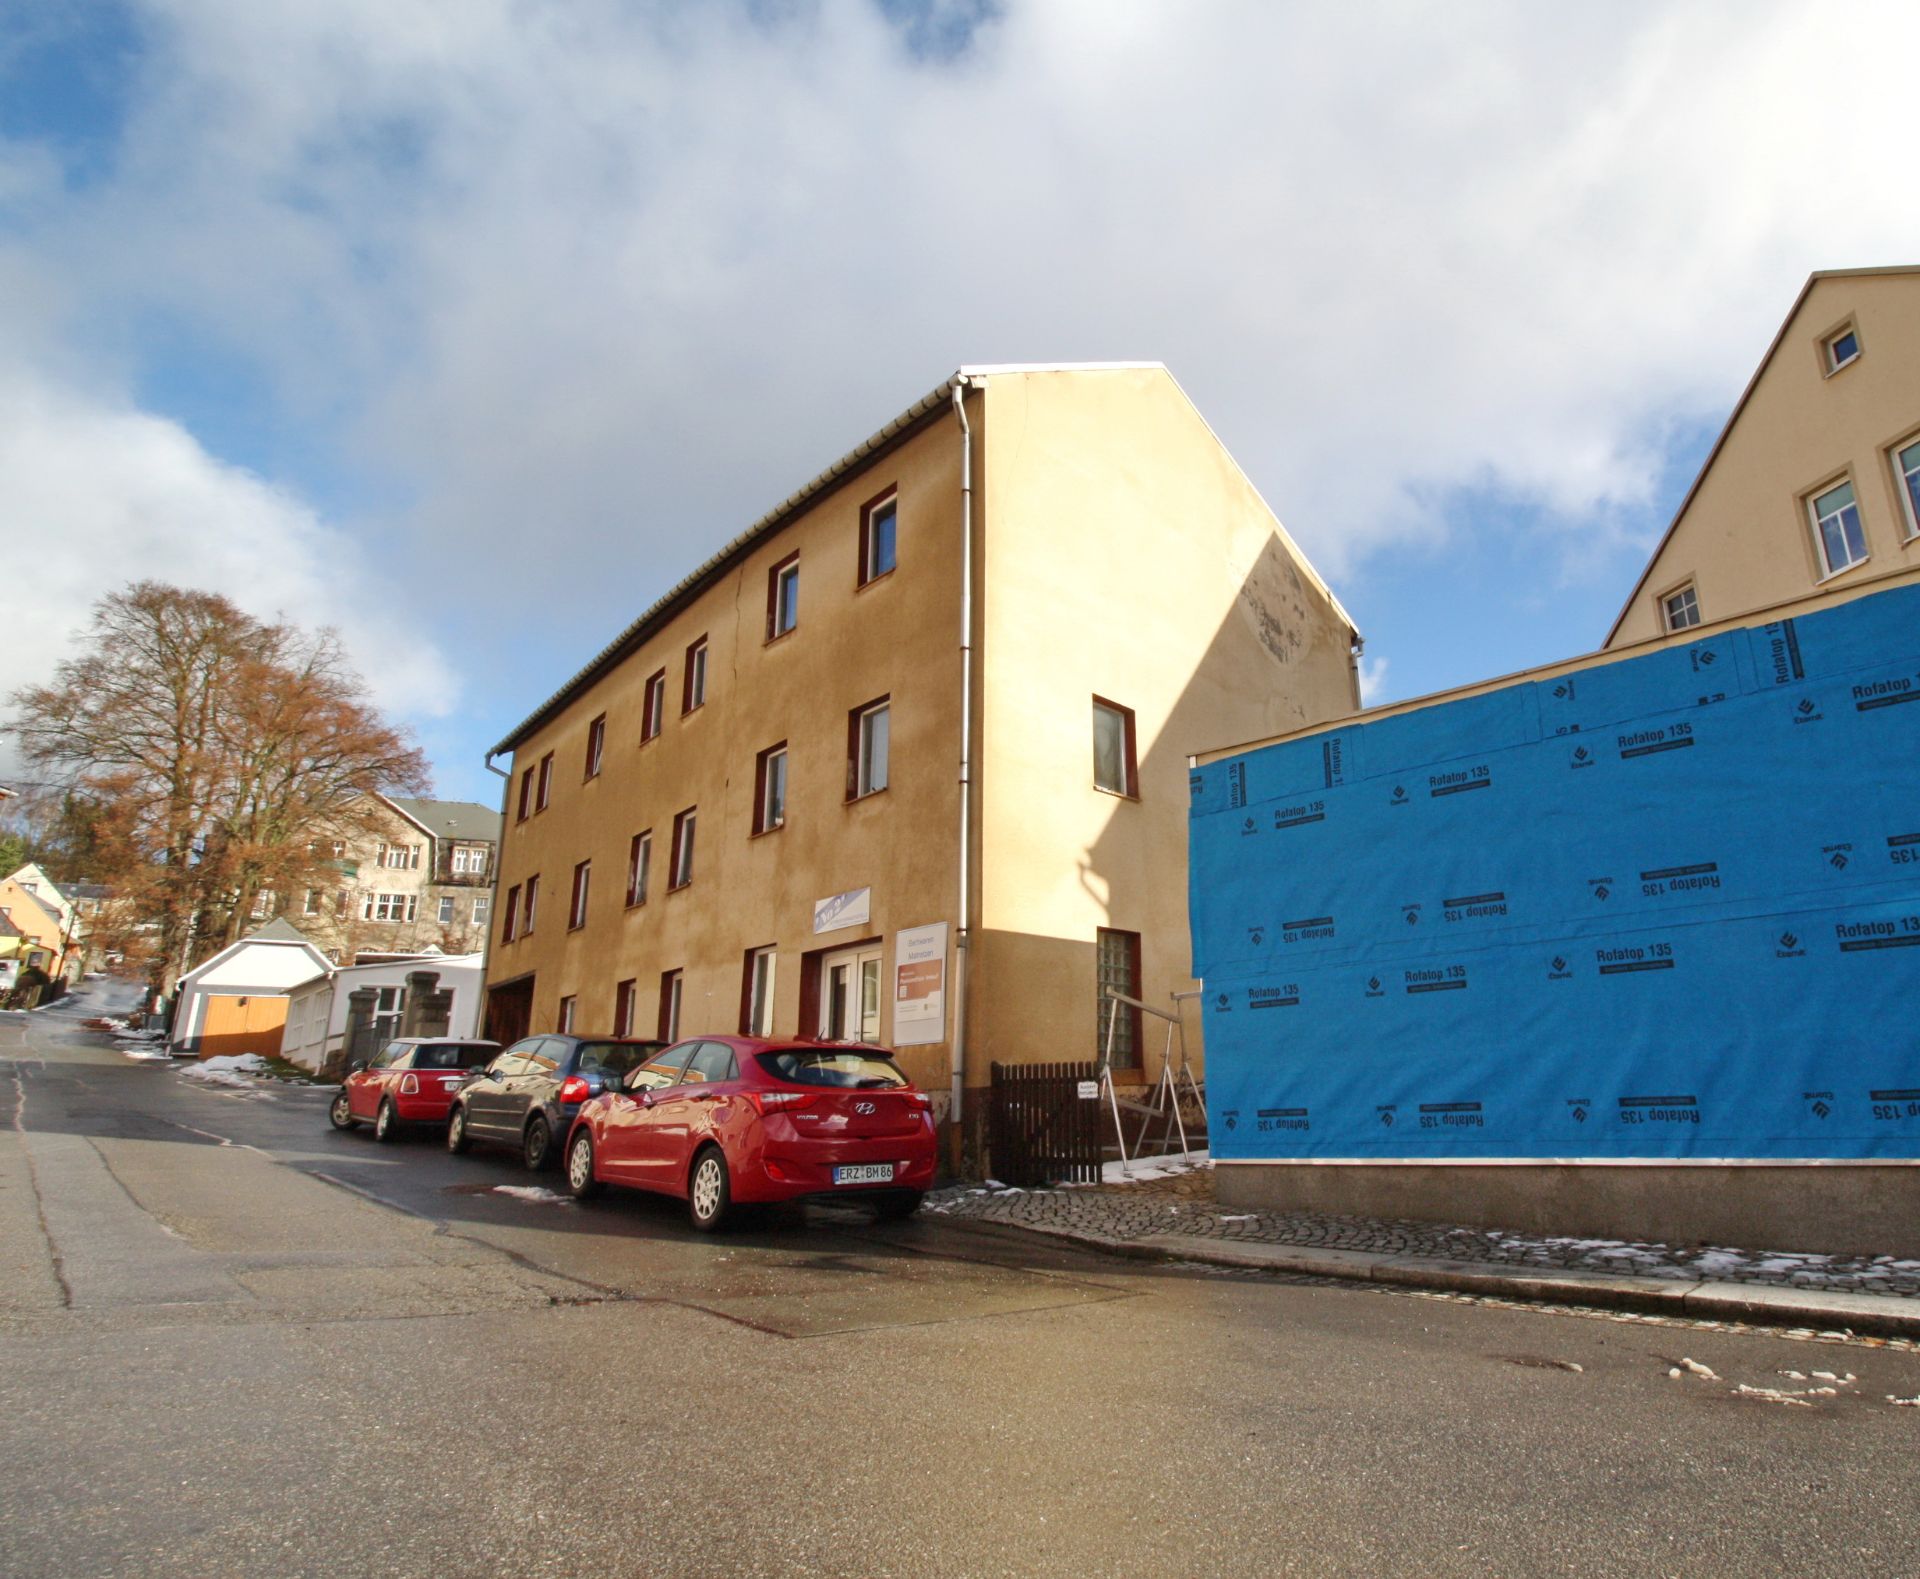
(1183, 1203)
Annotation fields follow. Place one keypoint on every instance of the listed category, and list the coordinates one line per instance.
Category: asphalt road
(233, 1342)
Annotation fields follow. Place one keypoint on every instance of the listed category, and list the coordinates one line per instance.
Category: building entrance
(850, 995)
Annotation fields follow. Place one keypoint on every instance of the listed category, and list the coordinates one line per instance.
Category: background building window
(669, 1006)
(482, 910)
(639, 858)
(877, 538)
(596, 745)
(867, 740)
(693, 689)
(680, 868)
(446, 912)
(577, 904)
(312, 905)
(1836, 523)
(1117, 969)
(623, 994)
(563, 1022)
(783, 597)
(1906, 471)
(756, 996)
(653, 708)
(544, 793)
(770, 789)
(1682, 609)
(1114, 767)
(1843, 348)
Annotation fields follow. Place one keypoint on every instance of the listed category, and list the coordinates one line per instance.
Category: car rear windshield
(833, 1066)
(454, 1055)
(614, 1058)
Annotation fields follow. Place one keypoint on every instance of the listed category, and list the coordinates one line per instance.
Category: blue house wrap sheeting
(1664, 908)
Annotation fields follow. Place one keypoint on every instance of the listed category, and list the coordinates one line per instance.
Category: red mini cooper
(411, 1081)
(723, 1119)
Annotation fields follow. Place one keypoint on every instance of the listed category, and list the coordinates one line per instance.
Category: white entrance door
(850, 996)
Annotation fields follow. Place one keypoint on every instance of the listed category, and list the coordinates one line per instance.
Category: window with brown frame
(526, 796)
(783, 597)
(639, 858)
(623, 995)
(577, 903)
(544, 793)
(670, 1005)
(653, 707)
(530, 901)
(1114, 767)
(770, 789)
(596, 745)
(1117, 969)
(693, 679)
(869, 730)
(510, 919)
(563, 1021)
(680, 865)
(879, 546)
(756, 992)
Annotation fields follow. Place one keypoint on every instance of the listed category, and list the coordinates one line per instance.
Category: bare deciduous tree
(219, 755)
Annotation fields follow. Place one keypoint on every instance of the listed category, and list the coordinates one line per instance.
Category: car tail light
(409, 1085)
(575, 1089)
(920, 1099)
(781, 1101)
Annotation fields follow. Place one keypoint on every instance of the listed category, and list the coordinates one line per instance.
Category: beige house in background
(907, 759)
(1814, 484)
(420, 878)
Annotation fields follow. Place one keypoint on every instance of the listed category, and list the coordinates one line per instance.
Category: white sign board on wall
(920, 985)
(850, 909)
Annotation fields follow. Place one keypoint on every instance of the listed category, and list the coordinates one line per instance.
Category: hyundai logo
(864, 1107)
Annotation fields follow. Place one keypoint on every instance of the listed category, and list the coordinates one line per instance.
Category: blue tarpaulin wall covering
(1668, 907)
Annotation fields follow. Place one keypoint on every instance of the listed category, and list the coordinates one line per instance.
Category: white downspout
(493, 918)
(962, 939)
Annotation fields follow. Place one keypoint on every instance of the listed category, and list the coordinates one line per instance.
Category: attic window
(1842, 348)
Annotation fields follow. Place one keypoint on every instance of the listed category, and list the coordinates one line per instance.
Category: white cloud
(97, 494)
(592, 285)
(1373, 681)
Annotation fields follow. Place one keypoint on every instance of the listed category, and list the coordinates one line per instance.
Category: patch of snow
(531, 1192)
(1904, 1403)
(1244, 1217)
(226, 1071)
(1704, 1372)
(1773, 1395)
(147, 1055)
(1141, 1168)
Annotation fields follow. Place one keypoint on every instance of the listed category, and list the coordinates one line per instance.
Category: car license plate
(864, 1173)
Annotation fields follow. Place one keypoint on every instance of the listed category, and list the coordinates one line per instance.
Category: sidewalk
(1170, 1214)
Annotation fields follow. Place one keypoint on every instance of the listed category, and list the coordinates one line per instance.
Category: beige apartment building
(907, 759)
(415, 874)
(1813, 487)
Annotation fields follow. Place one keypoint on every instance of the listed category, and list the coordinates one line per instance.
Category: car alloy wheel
(538, 1150)
(340, 1114)
(581, 1184)
(707, 1191)
(457, 1131)
(386, 1124)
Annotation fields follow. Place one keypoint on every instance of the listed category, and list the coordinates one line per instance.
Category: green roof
(452, 819)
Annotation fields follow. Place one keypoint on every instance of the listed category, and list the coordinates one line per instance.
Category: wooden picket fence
(1040, 1129)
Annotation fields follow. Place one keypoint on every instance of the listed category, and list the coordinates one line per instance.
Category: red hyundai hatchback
(717, 1120)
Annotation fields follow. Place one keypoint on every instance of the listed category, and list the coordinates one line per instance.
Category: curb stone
(1877, 1315)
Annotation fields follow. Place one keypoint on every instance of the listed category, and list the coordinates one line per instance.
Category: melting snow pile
(224, 1071)
(530, 1192)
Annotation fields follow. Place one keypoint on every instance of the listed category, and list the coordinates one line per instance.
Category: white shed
(317, 1010)
(237, 1001)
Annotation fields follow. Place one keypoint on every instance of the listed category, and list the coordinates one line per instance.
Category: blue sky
(468, 325)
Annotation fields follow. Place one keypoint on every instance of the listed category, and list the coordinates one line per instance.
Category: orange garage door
(242, 1025)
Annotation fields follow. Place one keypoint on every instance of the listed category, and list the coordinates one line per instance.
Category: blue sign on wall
(1664, 908)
